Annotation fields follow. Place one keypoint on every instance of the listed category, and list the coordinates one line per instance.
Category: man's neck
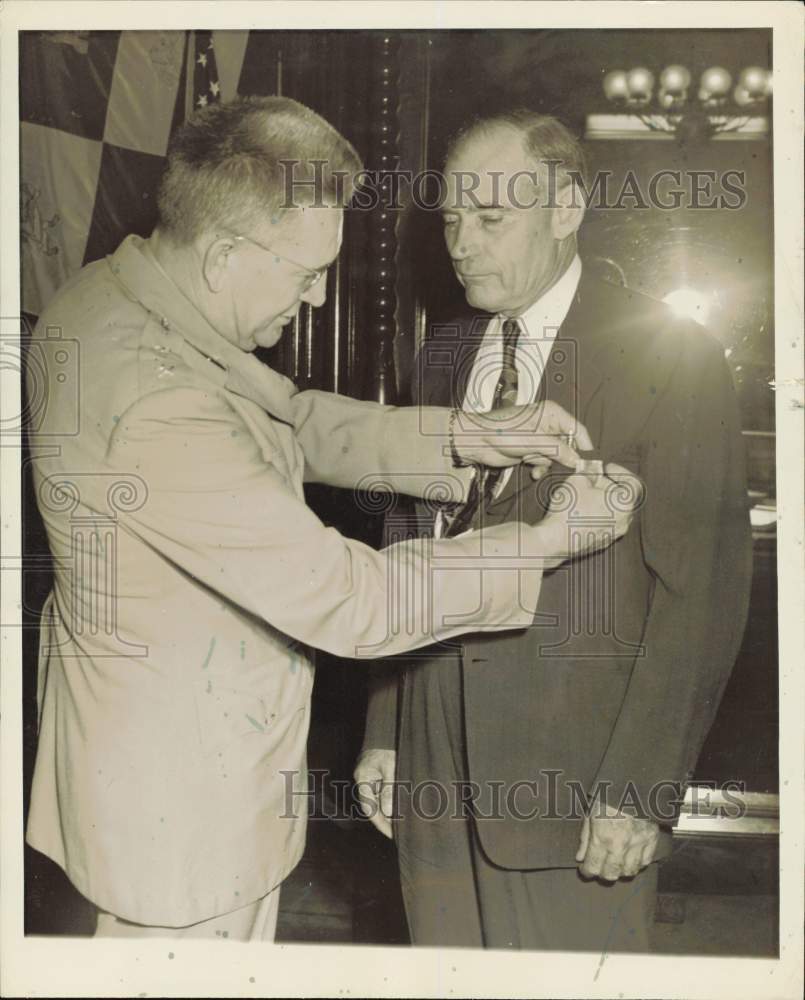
(563, 261)
(173, 260)
(181, 266)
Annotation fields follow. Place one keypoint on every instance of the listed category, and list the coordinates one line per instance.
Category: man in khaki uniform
(192, 581)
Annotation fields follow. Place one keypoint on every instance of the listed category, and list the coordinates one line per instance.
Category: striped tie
(483, 485)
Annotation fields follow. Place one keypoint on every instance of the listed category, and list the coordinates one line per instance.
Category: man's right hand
(374, 780)
(587, 513)
(536, 434)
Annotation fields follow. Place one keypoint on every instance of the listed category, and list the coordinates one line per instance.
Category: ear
(216, 262)
(568, 212)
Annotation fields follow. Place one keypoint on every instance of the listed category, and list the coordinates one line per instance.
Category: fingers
(583, 439)
(626, 864)
(513, 434)
(612, 869)
(609, 865)
(374, 784)
(618, 846)
(552, 449)
(539, 448)
(375, 798)
(633, 861)
(610, 499)
(367, 785)
(593, 864)
(540, 465)
(518, 433)
(584, 840)
(617, 472)
(557, 421)
(387, 804)
(565, 454)
(381, 823)
(628, 480)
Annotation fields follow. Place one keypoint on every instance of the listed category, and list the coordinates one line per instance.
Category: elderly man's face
(273, 271)
(503, 254)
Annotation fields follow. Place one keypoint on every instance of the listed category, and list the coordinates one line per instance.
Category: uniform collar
(240, 372)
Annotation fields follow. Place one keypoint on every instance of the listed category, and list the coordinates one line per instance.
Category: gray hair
(544, 137)
(230, 163)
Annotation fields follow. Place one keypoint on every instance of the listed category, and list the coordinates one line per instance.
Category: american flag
(206, 84)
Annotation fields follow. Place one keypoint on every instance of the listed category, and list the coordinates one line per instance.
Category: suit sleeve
(218, 509)
(696, 540)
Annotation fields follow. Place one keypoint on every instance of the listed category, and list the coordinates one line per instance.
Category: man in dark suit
(536, 772)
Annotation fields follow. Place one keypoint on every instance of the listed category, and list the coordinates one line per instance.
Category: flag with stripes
(97, 109)
(206, 83)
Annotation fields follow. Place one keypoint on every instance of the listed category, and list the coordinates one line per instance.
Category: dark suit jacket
(617, 681)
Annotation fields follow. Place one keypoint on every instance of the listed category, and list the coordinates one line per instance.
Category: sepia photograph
(402, 499)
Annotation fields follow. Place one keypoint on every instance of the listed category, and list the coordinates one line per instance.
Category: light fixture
(692, 113)
(640, 84)
(714, 86)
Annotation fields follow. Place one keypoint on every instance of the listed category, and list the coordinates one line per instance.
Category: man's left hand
(615, 845)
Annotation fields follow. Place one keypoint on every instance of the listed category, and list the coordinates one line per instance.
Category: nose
(460, 240)
(317, 293)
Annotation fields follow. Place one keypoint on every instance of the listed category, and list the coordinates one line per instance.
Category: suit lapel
(573, 373)
(447, 361)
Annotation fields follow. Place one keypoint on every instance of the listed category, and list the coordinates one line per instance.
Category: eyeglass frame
(313, 275)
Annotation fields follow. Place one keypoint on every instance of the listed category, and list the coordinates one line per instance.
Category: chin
(476, 298)
(484, 293)
(269, 336)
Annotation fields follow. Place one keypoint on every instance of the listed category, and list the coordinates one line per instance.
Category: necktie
(483, 485)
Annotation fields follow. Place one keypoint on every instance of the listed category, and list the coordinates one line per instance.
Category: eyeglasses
(312, 276)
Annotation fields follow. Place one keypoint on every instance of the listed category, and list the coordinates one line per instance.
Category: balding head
(545, 140)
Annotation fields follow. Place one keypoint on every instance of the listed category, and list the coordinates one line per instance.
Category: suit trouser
(454, 894)
(255, 922)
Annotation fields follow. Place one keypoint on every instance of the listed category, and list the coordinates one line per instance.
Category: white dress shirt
(539, 325)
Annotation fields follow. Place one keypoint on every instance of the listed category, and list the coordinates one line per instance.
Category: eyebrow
(490, 207)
